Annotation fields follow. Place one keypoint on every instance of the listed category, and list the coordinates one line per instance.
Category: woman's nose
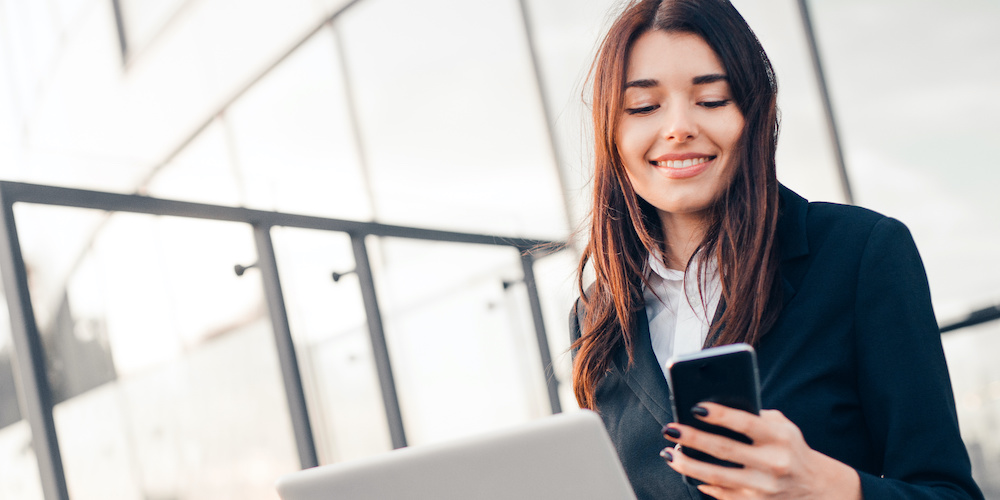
(679, 125)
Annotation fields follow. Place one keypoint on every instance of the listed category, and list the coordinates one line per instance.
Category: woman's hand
(779, 463)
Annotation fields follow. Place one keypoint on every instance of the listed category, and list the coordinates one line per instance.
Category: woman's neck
(682, 235)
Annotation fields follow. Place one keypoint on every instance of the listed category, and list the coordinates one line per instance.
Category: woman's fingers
(715, 492)
(713, 444)
(769, 460)
(779, 463)
(723, 477)
(769, 430)
(725, 483)
(738, 420)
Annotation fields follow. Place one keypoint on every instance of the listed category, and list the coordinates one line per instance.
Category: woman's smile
(682, 166)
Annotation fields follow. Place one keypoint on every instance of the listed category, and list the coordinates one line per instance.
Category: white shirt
(678, 324)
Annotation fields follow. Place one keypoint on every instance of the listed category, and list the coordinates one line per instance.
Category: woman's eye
(641, 110)
(715, 104)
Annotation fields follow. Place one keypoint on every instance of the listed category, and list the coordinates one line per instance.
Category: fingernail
(665, 453)
(672, 432)
(699, 411)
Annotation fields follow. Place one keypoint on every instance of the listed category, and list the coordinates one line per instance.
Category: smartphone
(726, 375)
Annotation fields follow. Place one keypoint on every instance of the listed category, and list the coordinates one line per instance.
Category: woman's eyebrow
(712, 78)
(698, 80)
(642, 84)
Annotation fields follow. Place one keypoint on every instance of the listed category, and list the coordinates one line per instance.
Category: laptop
(567, 455)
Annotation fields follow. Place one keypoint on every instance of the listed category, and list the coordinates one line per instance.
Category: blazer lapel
(644, 376)
(792, 239)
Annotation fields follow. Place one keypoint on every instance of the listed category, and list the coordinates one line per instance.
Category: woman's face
(679, 128)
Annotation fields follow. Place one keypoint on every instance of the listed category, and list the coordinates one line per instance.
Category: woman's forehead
(661, 54)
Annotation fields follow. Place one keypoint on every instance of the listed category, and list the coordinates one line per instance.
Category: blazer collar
(792, 239)
(791, 233)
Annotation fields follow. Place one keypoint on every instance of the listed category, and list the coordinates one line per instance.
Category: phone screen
(726, 375)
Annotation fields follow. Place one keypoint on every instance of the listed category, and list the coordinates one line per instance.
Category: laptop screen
(563, 456)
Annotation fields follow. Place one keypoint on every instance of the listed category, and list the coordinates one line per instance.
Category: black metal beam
(528, 267)
(380, 350)
(974, 318)
(81, 198)
(824, 92)
(547, 109)
(116, 6)
(30, 373)
(297, 409)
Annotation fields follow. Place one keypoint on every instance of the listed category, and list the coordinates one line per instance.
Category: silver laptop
(563, 456)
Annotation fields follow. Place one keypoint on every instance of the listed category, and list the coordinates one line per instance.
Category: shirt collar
(655, 263)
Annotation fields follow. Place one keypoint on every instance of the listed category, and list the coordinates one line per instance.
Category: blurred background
(167, 375)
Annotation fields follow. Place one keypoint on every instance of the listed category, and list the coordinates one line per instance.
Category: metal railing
(974, 318)
(33, 386)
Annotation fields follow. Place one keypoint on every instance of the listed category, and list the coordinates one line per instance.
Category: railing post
(824, 93)
(380, 350)
(551, 384)
(30, 374)
(297, 409)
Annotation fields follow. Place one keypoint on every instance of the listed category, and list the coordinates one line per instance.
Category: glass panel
(10, 411)
(18, 466)
(67, 11)
(52, 240)
(327, 319)
(19, 474)
(293, 139)
(144, 20)
(31, 43)
(453, 132)
(203, 172)
(193, 404)
(460, 337)
(10, 109)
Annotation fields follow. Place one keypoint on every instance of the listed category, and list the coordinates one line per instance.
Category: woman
(693, 242)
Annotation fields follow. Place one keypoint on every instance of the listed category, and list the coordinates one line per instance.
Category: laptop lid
(567, 455)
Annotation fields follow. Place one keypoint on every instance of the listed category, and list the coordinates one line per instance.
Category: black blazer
(855, 360)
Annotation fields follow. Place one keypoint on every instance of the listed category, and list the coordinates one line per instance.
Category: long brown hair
(625, 228)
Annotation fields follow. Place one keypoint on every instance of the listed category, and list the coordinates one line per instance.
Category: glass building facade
(376, 170)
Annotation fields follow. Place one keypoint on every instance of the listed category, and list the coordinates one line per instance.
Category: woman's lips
(682, 166)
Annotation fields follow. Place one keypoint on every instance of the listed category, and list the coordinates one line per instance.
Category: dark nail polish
(665, 453)
(699, 411)
(672, 432)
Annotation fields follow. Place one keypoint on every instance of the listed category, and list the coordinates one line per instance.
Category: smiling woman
(694, 243)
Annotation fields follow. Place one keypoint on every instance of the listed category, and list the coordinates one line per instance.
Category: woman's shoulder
(829, 215)
(819, 223)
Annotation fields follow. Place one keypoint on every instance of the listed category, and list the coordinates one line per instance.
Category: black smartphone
(726, 375)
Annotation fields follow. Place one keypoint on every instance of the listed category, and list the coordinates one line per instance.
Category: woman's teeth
(682, 163)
